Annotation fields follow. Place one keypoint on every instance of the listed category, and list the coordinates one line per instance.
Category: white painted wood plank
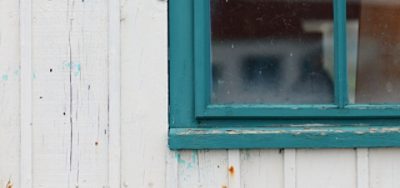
(172, 170)
(328, 168)
(9, 93)
(70, 93)
(114, 66)
(189, 169)
(144, 95)
(384, 167)
(26, 93)
(202, 169)
(261, 169)
(214, 169)
(289, 168)
(362, 168)
(234, 168)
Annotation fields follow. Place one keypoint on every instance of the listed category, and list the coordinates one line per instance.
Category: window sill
(284, 137)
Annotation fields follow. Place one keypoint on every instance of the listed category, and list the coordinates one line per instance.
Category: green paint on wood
(289, 137)
(197, 124)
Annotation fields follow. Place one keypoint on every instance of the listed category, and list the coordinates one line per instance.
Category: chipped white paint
(99, 108)
(70, 93)
(234, 168)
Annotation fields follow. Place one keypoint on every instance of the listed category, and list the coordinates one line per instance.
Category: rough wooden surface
(144, 93)
(71, 118)
(9, 93)
(70, 93)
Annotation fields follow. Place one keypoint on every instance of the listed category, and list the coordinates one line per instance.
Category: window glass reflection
(376, 73)
(272, 51)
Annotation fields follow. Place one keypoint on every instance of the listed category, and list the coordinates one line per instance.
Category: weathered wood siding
(9, 93)
(66, 123)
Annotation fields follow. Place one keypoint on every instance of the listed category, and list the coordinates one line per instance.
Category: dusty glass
(272, 51)
(375, 75)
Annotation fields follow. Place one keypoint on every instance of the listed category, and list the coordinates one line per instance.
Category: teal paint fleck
(194, 156)
(4, 77)
(188, 164)
(16, 72)
(179, 158)
(67, 65)
(193, 160)
(75, 67)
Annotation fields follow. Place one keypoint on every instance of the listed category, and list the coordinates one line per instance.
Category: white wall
(76, 67)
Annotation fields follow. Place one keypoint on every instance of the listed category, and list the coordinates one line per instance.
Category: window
(284, 73)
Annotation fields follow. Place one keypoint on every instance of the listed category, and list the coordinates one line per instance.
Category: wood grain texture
(26, 150)
(234, 168)
(215, 170)
(384, 167)
(261, 169)
(114, 90)
(362, 168)
(188, 169)
(289, 168)
(70, 95)
(329, 168)
(9, 93)
(71, 83)
(144, 96)
(201, 169)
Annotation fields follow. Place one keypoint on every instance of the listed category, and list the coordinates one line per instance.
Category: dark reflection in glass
(376, 72)
(272, 51)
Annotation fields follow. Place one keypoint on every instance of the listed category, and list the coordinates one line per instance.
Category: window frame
(197, 124)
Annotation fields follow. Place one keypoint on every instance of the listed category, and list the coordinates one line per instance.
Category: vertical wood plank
(261, 169)
(362, 168)
(188, 169)
(70, 93)
(203, 168)
(114, 66)
(328, 168)
(384, 167)
(26, 93)
(234, 168)
(214, 168)
(289, 168)
(10, 57)
(144, 95)
(172, 170)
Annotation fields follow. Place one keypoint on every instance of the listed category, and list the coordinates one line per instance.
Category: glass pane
(272, 51)
(376, 71)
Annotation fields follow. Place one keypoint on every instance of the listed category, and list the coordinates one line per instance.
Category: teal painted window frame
(195, 123)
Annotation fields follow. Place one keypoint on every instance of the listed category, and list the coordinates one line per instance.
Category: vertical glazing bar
(341, 94)
(202, 55)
